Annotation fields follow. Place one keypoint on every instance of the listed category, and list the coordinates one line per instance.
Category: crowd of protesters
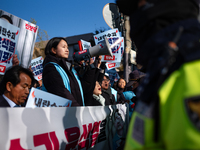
(85, 83)
(168, 50)
(84, 86)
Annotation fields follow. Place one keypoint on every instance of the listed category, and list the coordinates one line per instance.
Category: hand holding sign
(15, 60)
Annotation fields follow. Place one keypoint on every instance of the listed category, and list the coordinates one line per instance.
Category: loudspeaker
(102, 48)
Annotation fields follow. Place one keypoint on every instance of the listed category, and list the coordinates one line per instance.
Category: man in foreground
(15, 86)
(166, 34)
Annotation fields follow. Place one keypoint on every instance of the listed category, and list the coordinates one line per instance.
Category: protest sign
(37, 67)
(85, 44)
(97, 128)
(8, 39)
(39, 98)
(26, 39)
(111, 65)
(114, 40)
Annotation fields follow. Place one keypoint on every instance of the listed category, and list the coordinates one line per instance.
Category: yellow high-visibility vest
(179, 102)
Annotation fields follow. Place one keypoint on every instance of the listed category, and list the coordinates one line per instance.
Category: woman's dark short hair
(53, 43)
(12, 75)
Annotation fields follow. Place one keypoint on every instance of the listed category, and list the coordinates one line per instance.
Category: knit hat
(134, 76)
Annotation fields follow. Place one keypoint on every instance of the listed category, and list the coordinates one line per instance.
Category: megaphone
(99, 49)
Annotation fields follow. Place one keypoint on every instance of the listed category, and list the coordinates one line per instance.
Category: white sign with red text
(8, 40)
(26, 40)
(37, 67)
(39, 98)
(111, 65)
(114, 40)
(63, 128)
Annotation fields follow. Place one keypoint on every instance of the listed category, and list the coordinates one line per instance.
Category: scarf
(100, 99)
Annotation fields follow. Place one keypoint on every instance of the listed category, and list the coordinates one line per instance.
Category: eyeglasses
(106, 80)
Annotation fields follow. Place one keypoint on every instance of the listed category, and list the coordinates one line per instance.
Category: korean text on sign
(8, 39)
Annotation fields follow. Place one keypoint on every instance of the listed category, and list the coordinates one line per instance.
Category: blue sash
(66, 80)
(114, 92)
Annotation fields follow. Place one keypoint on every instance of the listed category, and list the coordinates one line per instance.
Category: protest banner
(39, 98)
(26, 39)
(114, 40)
(8, 39)
(37, 67)
(97, 128)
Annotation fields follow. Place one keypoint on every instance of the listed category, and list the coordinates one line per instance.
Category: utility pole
(127, 45)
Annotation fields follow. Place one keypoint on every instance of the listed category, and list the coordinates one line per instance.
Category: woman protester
(120, 87)
(59, 76)
(93, 95)
(97, 98)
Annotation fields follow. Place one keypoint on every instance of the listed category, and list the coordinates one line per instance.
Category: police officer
(166, 34)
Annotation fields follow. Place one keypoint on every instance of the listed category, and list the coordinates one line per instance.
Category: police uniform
(167, 114)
